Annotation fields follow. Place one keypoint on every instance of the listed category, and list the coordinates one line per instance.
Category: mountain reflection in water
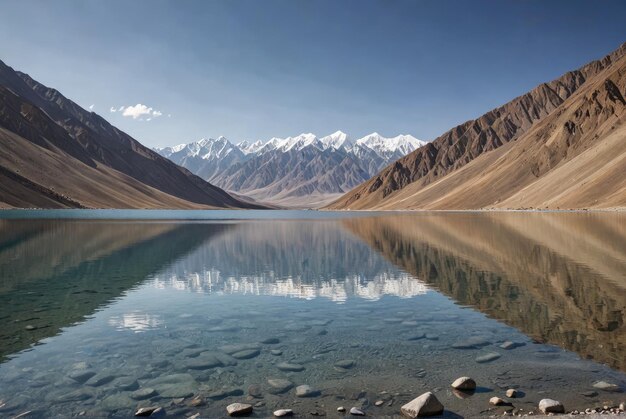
(559, 278)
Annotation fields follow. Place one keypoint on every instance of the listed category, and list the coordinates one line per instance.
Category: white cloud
(112, 109)
(139, 111)
(91, 107)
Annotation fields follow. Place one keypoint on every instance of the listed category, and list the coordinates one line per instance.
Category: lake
(106, 311)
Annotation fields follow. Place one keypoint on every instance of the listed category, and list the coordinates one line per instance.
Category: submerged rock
(246, 354)
(271, 341)
(416, 336)
(174, 385)
(126, 384)
(231, 349)
(255, 391)
(287, 366)
(276, 352)
(464, 383)
(81, 375)
(345, 363)
(239, 409)
(551, 406)
(279, 385)
(603, 385)
(306, 391)
(225, 392)
(425, 405)
(100, 379)
(473, 342)
(508, 345)
(492, 356)
(280, 413)
(204, 362)
(143, 393)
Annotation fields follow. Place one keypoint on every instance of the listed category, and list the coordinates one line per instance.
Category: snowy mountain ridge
(295, 171)
(209, 148)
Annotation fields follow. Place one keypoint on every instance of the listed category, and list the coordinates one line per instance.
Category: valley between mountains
(561, 145)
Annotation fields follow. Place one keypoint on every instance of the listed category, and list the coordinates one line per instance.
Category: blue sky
(256, 69)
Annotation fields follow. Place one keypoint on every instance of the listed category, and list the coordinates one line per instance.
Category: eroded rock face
(425, 405)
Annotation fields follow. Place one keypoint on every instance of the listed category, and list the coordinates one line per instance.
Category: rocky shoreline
(425, 405)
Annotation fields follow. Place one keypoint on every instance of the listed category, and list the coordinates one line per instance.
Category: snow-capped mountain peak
(388, 147)
(336, 140)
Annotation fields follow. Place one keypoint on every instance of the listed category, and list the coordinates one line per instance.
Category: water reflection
(160, 305)
(559, 278)
(373, 287)
(57, 273)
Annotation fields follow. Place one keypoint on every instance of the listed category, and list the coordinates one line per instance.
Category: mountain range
(303, 170)
(561, 145)
(55, 154)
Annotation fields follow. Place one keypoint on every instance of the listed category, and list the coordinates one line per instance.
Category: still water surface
(101, 316)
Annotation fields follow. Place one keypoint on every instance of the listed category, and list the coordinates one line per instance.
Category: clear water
(365, 307)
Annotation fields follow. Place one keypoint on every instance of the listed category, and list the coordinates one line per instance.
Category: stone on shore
(496, 401)
(356, 412)
(341, 409)
(280, 413)
(464, 383)
(425, 405)
(551, 406)
(239, 409)
(511, 393)
(306, 391)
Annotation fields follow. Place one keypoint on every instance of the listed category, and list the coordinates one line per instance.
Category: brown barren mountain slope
(562, 145)
(55, 154)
